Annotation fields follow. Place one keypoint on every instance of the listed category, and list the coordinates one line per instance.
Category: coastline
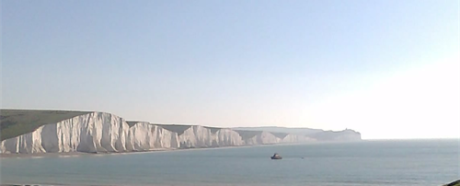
(244, 158)
(71, 154)
(74, 154)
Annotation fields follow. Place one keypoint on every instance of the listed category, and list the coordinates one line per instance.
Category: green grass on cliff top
(17, 122)
(177, 128)
(247, 134)
(455, 183)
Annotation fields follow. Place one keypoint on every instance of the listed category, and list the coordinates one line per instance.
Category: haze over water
(389, 69)
(379, 67)
(373, 163)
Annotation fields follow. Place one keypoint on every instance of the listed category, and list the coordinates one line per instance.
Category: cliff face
(103, 132)
(317, 134)
(344, 135)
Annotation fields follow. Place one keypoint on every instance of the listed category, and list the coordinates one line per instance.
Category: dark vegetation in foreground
(455, 183)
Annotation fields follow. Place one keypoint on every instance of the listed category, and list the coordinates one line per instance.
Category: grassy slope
(455, 183)
(298, 131)
(132, 123)
(213, 129)
(279, 134)
(179, 129)
(247, 134)
(17, 122)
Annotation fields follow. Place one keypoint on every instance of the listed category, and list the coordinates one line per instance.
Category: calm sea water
(370, 163)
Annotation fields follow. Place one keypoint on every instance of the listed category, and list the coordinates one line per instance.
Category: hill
(16, 122)
(318, 134)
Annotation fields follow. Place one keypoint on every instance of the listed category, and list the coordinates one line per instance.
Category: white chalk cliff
(104, 132)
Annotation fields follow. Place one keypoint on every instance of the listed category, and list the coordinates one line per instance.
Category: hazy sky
(387, 68)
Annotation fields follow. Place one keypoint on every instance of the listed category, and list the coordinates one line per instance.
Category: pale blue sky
(303, 63)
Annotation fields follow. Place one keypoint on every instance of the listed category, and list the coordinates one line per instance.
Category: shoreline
(75, 154)
(70, 154)
(249, 154)
(157, 150)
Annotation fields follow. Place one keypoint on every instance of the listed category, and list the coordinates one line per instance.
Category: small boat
(276, 156)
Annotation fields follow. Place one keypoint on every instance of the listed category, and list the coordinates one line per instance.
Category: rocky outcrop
(103, 132)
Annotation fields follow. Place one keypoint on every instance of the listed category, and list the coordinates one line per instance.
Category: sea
(363, 163)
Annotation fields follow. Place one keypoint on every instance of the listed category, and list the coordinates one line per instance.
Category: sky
(389, 69)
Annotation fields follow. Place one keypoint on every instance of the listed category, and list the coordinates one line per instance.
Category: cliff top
(455, 183)
(17, 122)
(177, 128)
(246, 134)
